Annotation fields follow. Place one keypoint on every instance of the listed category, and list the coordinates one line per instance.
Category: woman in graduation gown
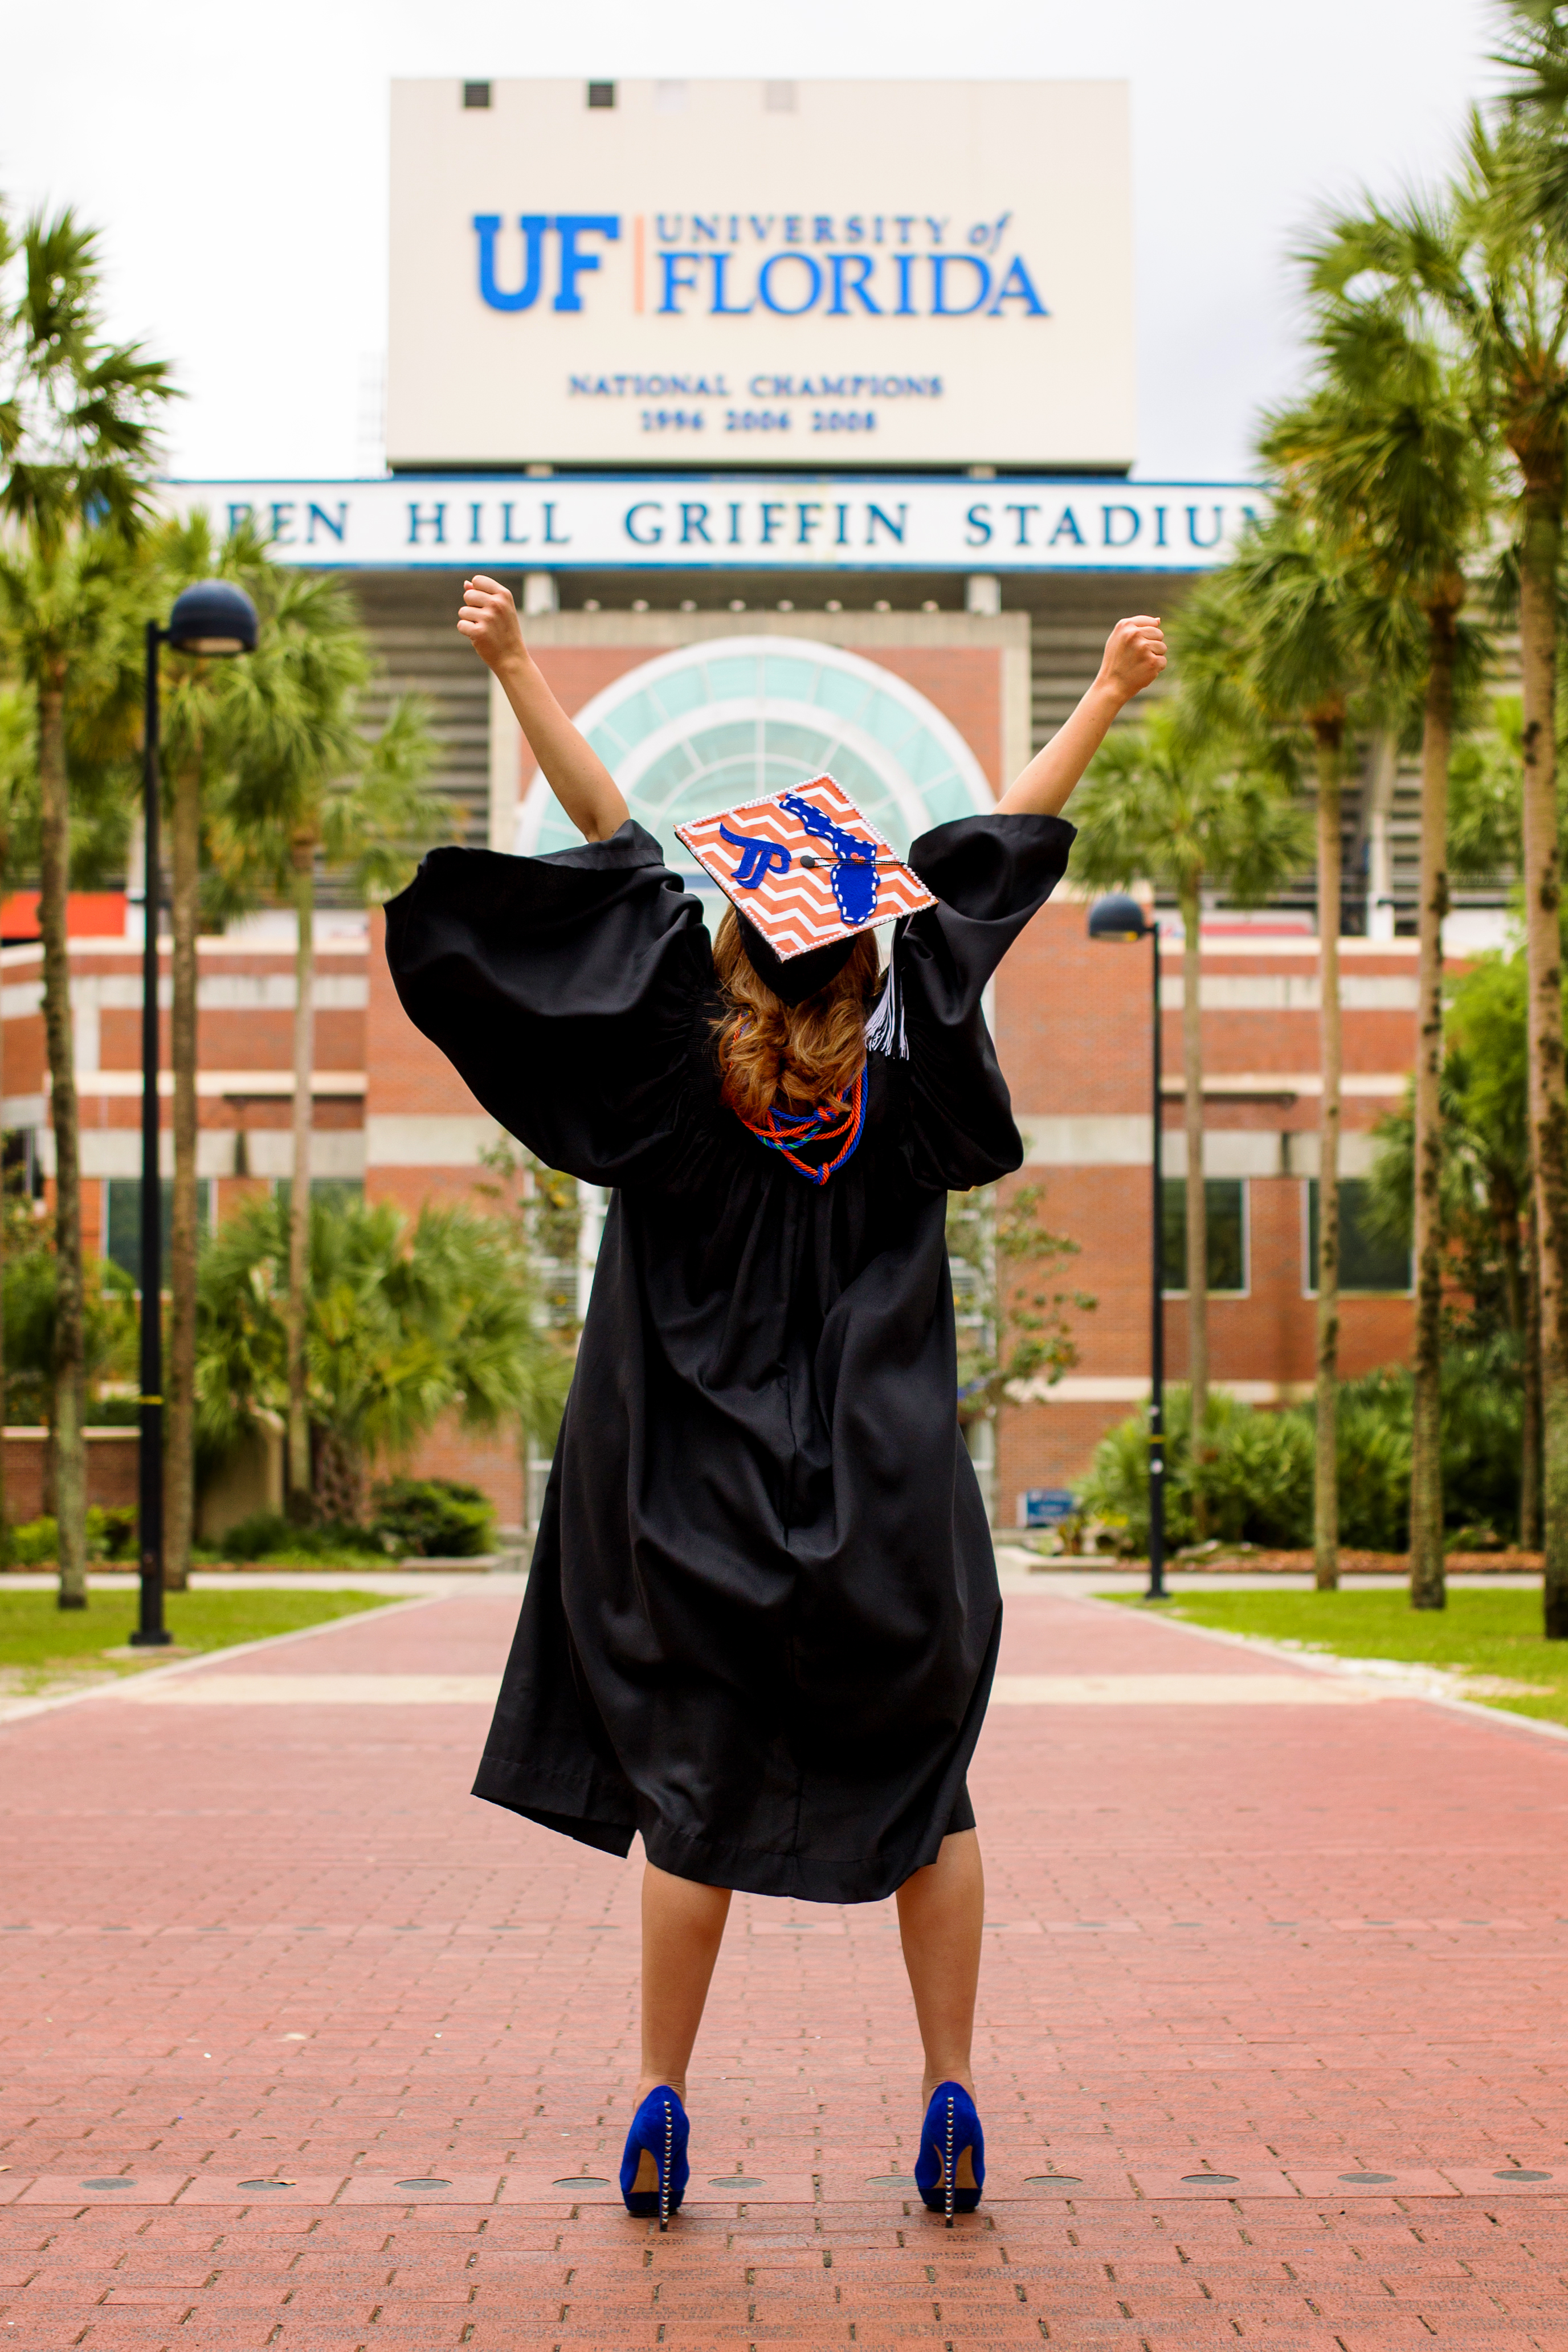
(762, 1614)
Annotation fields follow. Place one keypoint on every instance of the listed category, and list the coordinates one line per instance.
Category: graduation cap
(806, 873)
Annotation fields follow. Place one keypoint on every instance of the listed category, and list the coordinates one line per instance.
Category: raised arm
(1135, 656)
(576, 774)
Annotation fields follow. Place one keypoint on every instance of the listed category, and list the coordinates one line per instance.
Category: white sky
(237, 161)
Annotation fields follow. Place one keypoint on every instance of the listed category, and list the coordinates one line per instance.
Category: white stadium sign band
(718, 272)
(774, 523)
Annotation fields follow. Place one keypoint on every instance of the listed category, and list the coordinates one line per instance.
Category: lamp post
(215, 618)
(1121, 919)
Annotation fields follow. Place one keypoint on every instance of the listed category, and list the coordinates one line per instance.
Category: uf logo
(535, 227)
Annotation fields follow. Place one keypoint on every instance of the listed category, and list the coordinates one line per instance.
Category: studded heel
(654, 2168)
(950, 2171)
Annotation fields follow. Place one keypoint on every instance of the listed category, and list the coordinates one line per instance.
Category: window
(123, 1219)
(476, 93)
(730, 719)
(1367, 1262)
(337, 1191)
(1224, 1198)
(601, 93)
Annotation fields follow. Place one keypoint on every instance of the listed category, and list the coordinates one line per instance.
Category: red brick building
(1074, 1022)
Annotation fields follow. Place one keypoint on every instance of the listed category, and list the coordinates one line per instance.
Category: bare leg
(942, 1910)
(682, 1929)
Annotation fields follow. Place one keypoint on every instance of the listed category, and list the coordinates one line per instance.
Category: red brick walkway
(1294, 1944)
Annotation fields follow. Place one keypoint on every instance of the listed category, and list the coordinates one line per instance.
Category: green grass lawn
(40, 1638)
(1483, 1633)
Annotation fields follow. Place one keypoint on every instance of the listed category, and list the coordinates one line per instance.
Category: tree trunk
(1539, 559)
(1427, 1588)
(1502, 1200)
(1326, 1496)
(340, 1481)
(1529, 1442)
(1197, 1204)
(299, 1462)
(180, 1412)
(54, 874)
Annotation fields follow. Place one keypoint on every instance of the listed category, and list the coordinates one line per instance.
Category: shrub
(1256, 1476)
(111, 1535)
(255, 1537)
(36, 1543)
(1374, 1462)
(1258, 1485)
(433, 1518)
(111, 1531)
(266, 1535)
(1483, 1430)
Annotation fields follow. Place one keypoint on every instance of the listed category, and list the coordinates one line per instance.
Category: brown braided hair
(799, 1054)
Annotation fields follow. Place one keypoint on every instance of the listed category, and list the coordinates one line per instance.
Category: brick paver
(1238, 1954)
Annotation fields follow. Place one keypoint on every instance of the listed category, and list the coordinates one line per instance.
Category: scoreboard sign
(815, 273)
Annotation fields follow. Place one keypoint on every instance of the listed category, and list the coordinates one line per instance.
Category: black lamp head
(213, 617)
(1117, 917)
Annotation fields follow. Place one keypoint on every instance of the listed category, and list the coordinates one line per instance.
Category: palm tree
(1485, 840)
(1389, 449)
(201, 738)
(1171, 803)
(402, 1327)
(1491, 259)
(18, 781)
(1279, 640)
(77, 443)
(1485, 1187)
(308, 785)
(32, 1314)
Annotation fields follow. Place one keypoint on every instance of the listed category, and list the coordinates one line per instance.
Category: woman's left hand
(1135, 656)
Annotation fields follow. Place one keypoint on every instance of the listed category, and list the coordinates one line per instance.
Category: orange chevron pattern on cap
(803, 881)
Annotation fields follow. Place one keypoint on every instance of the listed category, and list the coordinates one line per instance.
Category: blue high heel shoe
(654, 2170)
(950, 2171)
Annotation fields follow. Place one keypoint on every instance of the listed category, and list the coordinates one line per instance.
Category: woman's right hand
(489, 621)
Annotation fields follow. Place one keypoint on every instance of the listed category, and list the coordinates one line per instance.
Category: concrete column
(1379, 847)
(540, 593)
(983, 592)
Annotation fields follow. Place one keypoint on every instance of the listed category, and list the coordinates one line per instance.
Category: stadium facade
(800, 417)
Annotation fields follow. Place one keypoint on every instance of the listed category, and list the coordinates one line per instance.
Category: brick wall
(112, 1459)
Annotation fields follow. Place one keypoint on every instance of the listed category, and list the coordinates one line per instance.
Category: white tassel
(885, 1029)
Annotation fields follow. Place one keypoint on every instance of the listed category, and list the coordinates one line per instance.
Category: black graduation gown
(763, 1615)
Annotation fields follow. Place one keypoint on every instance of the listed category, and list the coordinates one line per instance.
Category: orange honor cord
(823, 1125)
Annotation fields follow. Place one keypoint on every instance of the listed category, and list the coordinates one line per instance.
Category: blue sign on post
(1046, 1507)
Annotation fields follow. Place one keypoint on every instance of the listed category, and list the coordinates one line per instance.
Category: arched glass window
(731, 718)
